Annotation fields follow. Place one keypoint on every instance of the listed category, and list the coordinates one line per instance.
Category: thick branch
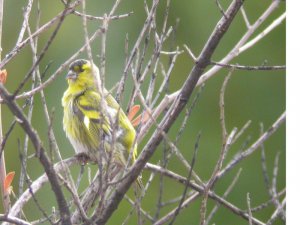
(13, 220)
(40, 153)
(202, 62)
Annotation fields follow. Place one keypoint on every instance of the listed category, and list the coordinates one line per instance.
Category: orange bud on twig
(136, 121)
(133, 111)
(8, 180)
(3, 76)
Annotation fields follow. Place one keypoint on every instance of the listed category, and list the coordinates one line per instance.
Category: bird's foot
(83, 158)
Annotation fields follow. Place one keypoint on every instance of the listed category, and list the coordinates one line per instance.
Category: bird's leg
(83, 158)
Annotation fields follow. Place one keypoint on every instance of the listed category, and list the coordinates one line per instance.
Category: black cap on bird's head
(77, 67)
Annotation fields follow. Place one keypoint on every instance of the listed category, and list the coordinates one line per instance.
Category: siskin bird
(94, 121)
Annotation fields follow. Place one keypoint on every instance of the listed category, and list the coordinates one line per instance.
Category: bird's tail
(139, 187)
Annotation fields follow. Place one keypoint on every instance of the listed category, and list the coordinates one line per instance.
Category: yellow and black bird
(94, 120)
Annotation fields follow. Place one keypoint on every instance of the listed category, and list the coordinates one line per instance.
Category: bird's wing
(111, 101)
(129, 134)
(88, 105)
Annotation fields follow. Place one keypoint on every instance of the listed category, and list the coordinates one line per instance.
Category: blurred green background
(258, 96)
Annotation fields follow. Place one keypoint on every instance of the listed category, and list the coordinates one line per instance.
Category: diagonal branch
(238, 49)
(255, 145)
(202, 62)
(200, 189)
(40, 153)
(14, 52)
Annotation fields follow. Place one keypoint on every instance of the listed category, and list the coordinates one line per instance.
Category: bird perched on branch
(94, 122)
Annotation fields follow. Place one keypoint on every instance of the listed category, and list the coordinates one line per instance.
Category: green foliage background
(251, 95)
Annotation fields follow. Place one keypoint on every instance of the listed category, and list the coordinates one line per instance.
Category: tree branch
(186, 91)
(40, 153)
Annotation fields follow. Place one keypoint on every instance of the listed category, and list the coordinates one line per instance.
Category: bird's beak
(71, 75)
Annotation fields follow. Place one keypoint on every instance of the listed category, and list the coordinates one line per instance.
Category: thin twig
(46, 47)
(240, 67)
(62, 67)
(234, 52)
(214, 176)
(51, 136)
(136, 46)
(222, 107)
(176, 199)
(273, 189)
(271, 27)
(276, 213)
(248, 25)
(147, 215)
(268, 203)
(275, 126)
(190, 53)
(37, 185)
(90, 17)
(238, 47)
(5, 137)
(249, 208)
(26, 15)
(200, 189)
(168, 99)
(226, 193)
(264, 163)
(221, 8)
(243, 129)
(180, 205)
(75, 198)
(42, 29)
(33, 196)
(171, 214)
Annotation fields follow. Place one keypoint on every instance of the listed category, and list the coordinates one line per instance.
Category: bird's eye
(78, 69)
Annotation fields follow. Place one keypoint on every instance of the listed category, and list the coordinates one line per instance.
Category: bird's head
(82, 74)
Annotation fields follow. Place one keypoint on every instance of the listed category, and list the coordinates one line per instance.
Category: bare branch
(57, 72)
(202, 63)
(249, 208)
(228, 190)
(239, 67)
(40, 153)
(137, 44)
(200, 189)
(180, 205)
(191, 54)
(46, 47)
(277, 213)
(237, 48)
(172, 213)
(255, 145)
(36, 185)
(150, 62)
(221, 8)
(271, 27)
(13, 220)
(90, 17)
(268, 203)
(25, 22)
(43, 28)
(214, 176)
